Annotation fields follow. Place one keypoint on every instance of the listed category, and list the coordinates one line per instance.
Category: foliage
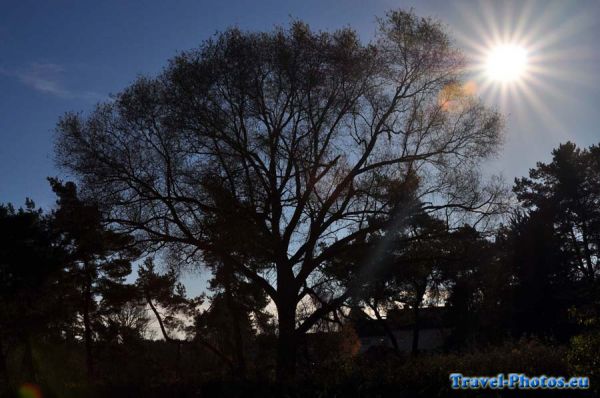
(323, 183)
(583, 357)
(270, 152)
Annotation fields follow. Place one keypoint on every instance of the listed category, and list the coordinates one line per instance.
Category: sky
(59, 55)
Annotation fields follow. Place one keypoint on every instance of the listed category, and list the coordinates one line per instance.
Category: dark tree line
(66, 279)
(320, 181)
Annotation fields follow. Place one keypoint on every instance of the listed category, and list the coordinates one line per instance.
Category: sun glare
(520, 55)
(506, 63)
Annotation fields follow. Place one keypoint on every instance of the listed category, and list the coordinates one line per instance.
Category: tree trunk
(3, 365)
(28, 359)
(178, 359)
(586, 250)
(235, 318)
(287, 343)
(386, 328)
(165, 334)
(416, 329)
(87, 324)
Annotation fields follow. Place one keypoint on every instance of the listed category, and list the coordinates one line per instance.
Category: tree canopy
(276, 150)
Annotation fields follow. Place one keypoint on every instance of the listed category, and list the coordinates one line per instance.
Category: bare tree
(275, 151)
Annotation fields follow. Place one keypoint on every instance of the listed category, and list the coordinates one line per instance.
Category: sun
(506, 63)
(520, 56)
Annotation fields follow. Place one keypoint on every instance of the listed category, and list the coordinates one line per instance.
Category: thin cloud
(45, 78)
(48, 78)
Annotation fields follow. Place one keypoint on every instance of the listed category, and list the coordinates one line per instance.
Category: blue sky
(59, 55)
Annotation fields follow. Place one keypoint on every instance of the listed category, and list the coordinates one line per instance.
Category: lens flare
(29, 390)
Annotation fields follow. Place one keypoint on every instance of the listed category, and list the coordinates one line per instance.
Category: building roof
(403, 319)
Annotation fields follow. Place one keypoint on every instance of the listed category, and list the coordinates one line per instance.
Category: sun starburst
(518, 54)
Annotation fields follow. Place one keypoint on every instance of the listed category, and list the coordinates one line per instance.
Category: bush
(428, 374)
(584, 358)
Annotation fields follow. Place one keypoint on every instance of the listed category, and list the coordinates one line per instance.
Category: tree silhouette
(296, 138)
(479, 286)
(168, 301)
(567, 191)
(558, 243)
(99, 259)
(539, 266)
(30, 262)
(240, 305)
